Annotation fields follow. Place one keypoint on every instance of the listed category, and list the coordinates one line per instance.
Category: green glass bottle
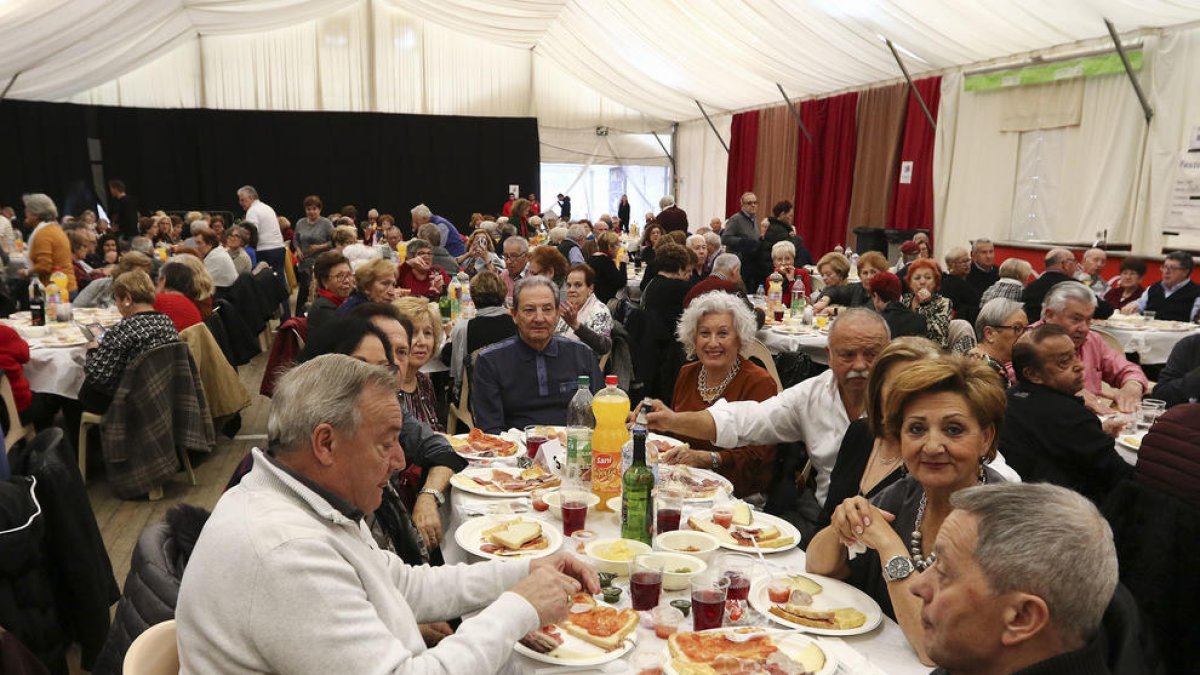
(637, 488)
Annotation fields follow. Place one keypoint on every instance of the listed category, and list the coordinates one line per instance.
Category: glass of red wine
(709, 592)
(535, 437)
(645, 584)
(739, 570)
(668, 509)
(574, 506)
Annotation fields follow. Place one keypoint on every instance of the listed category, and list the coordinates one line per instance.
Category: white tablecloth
(56, 370)
(1152, 346)
(884, 648)
(813, 344)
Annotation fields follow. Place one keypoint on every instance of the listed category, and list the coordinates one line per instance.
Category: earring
(982, 474)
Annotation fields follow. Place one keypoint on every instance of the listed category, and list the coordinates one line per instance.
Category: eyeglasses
(513, 256)
(1017, 329)
(344, 276)
(751, 202)
(1172, 268)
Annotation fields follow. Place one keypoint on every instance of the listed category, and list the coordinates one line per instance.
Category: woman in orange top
(717, 328)
(49, 249)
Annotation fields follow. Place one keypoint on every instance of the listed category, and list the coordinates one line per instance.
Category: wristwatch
(437, 496)
(716, 460)
(898, 567)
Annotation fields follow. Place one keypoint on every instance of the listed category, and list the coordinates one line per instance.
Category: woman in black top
(610, 278)
(662, 303)
(492, 323)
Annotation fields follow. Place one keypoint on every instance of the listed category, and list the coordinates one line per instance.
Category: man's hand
(434, 633)
(571, 566)
(684, 455)
(1095, 403)
(762, 227)
(1130, 308)
(1129, 396)
(549, 591)
(428, 521)
(660, 417)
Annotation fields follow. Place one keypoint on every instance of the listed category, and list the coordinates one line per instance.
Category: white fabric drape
(702, 167)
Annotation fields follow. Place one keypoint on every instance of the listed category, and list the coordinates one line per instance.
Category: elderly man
(1060, 266)
(716, 224)
(1072, 305)
(286, 577)
(1089, 272)
(699, 245)
(452, 241)
(1023, 577)
(815, 412)
(270, 247)
(983, 265)
(530, 378)
(671, 217)
(516, 261)
(740, 235)
(49, 248)
(957, 287)
(714, 249)
(572, 245)
(1049, 434)
(1176, 297)
(726, 276)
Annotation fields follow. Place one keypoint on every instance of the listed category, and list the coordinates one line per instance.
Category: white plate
(59, 340)
(789, 643)
(581, 653)
(835, 594)
(463, 481)
(1131, 441)
(507, 460)
(468, 537)
(793, 330)
(785, 528)
(725, 485)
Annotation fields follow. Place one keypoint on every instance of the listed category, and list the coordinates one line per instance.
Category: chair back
(759, 353)
(16, 431)
(154, 652)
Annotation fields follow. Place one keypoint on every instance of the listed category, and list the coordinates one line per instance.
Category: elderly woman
(234, 244)
(416, 391)
(202, 284)
(610, 277)
(834, 269)
(141, 328)
(718, 329)
(480, 255)
(945, 415)
(374, 281)
(1000, 323)
(48, 245)
(418, 275)
(173, 296)
(1014, 274)
(99, 292)
(1129, 284)
(313, 236)
(335, 281)
(492, 323)
(582, 316)
(343, 237)
(923, 281)
(546, 261)
(870, 264)
(783, 258)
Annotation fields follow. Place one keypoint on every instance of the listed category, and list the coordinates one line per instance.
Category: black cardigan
(610, 279)
(848, 470)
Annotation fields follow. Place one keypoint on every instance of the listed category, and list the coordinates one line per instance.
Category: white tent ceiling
(655, 57)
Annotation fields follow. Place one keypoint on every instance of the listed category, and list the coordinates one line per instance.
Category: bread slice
(844, 618)
(626, 620)
(709, 527)
(517, 534)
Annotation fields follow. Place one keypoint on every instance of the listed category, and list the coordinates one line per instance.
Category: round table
(54, 368)
(813, 344)
(1152, 346)
(883, 650)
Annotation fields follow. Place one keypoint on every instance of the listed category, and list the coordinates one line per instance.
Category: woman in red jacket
(14, 352)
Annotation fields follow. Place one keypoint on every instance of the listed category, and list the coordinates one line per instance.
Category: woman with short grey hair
(1000, 323)
(1014, 274)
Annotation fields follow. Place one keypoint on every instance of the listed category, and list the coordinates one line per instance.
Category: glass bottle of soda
(37, 302)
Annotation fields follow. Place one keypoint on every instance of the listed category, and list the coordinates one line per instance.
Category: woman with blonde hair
(834, 269)
(374, 281)
(416, 392)
(202, 284)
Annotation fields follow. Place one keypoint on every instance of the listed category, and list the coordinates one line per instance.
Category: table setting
(57, 350)
(1151, 339)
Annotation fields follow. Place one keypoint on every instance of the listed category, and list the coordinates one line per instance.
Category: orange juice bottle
(611, 408)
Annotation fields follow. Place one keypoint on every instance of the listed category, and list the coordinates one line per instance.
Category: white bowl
(621, 568)
(676, 581)
(688, 542)
(552, 500)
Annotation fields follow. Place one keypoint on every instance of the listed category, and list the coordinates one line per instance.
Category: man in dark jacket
(983, 265)
(779, 228)
(956, 286)
(1049, 435)
(1179, 381)
(123, 211)
(885, 294)
(672, 218)
(740, 234)
(1060, 266)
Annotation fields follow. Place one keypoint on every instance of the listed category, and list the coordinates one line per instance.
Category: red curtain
(912, 203)
(743, 155)
(825, 171)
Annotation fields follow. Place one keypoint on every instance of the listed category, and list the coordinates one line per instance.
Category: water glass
(1148, 413)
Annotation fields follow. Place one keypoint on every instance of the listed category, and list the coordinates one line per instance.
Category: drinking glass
(574, 506)
(739, 570)
(1148, 413)
(535, 437)
(1149, 316)
(668, 510)
(645, 584)
(709, 591)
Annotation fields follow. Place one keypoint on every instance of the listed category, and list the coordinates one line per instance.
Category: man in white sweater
(286, 578)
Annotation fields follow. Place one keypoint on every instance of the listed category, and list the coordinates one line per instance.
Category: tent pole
(795, 113)
(664, 147)
(13, 80)
(712, 126)
(911, 87)
(1137, 87)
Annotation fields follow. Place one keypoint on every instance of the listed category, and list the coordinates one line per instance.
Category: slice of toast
(844, 618)
(709, 527)
(628, 622)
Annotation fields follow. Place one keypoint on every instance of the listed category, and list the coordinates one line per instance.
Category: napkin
(857, 549)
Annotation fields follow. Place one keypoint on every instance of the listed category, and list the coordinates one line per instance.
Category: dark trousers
(277, 259)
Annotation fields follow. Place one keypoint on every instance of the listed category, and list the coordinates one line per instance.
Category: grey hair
(982, 240)
(489, 225)
(1183, 258)
(417, 245)
(1048, 541)
(692, 238)
(744, 195)
(421, 211)
(782, 247)
(142, 245)
(557, 234)
(666, 201)
(249, 191)
(1060, 293)
(41, 206)
(576, 232)
(716, 302)
(1016, 269)
(521, 242)
(993, 313)
(535, 221)
(375, 211)
(324, 390)
(860, 313)
(956, 253)
(713, 239)
(533, 281)
(726, 262)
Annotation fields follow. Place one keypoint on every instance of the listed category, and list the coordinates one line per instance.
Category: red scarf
(336, 299)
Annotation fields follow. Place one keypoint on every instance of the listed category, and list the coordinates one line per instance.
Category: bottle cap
(584, 381)
(610, 380)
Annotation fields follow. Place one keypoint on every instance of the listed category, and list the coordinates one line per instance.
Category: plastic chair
(154, 652)
(461, 411)
(759, 352)
(16, 432)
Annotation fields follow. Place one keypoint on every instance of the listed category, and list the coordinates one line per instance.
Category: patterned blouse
(422, 403)
(937, 312)
(105, 364)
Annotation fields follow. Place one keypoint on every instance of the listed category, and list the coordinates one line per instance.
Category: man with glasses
(1060, 266)
(516, 261)
(957, 287)
(740, 235)
(1176, 297)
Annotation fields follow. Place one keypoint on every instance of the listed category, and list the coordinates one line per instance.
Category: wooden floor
(121, 521)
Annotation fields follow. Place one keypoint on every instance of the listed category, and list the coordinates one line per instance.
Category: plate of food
(744, 528)
(746, 650)
(593, 634)
(794, 329)
(508, 537)
(815, 604)
(504, 482)
(1170, 326)
(72, 338)
(477, 446)
(699, 485)
(1131, 441)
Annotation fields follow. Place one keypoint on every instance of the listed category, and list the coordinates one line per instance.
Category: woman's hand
(569, 314)
(428, 521)
(437, 282)
(856, 519)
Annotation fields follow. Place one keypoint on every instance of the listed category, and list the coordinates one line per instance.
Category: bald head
(857, 337)
(1060, 260)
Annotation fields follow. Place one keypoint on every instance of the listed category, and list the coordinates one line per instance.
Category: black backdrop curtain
(176, 159)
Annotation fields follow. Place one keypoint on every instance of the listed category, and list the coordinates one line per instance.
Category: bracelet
(716, 461)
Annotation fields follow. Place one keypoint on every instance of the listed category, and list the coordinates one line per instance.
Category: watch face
(899, 568)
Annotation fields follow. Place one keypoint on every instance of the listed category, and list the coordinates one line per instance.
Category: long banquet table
(1152, 346)
(883, 650)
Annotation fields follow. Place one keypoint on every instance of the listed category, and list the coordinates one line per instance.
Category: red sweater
(183, 312)
(406, 279)
(13, 352)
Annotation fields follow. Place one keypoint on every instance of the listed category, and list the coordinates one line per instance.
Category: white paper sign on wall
(906, 170)
(515, 190)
